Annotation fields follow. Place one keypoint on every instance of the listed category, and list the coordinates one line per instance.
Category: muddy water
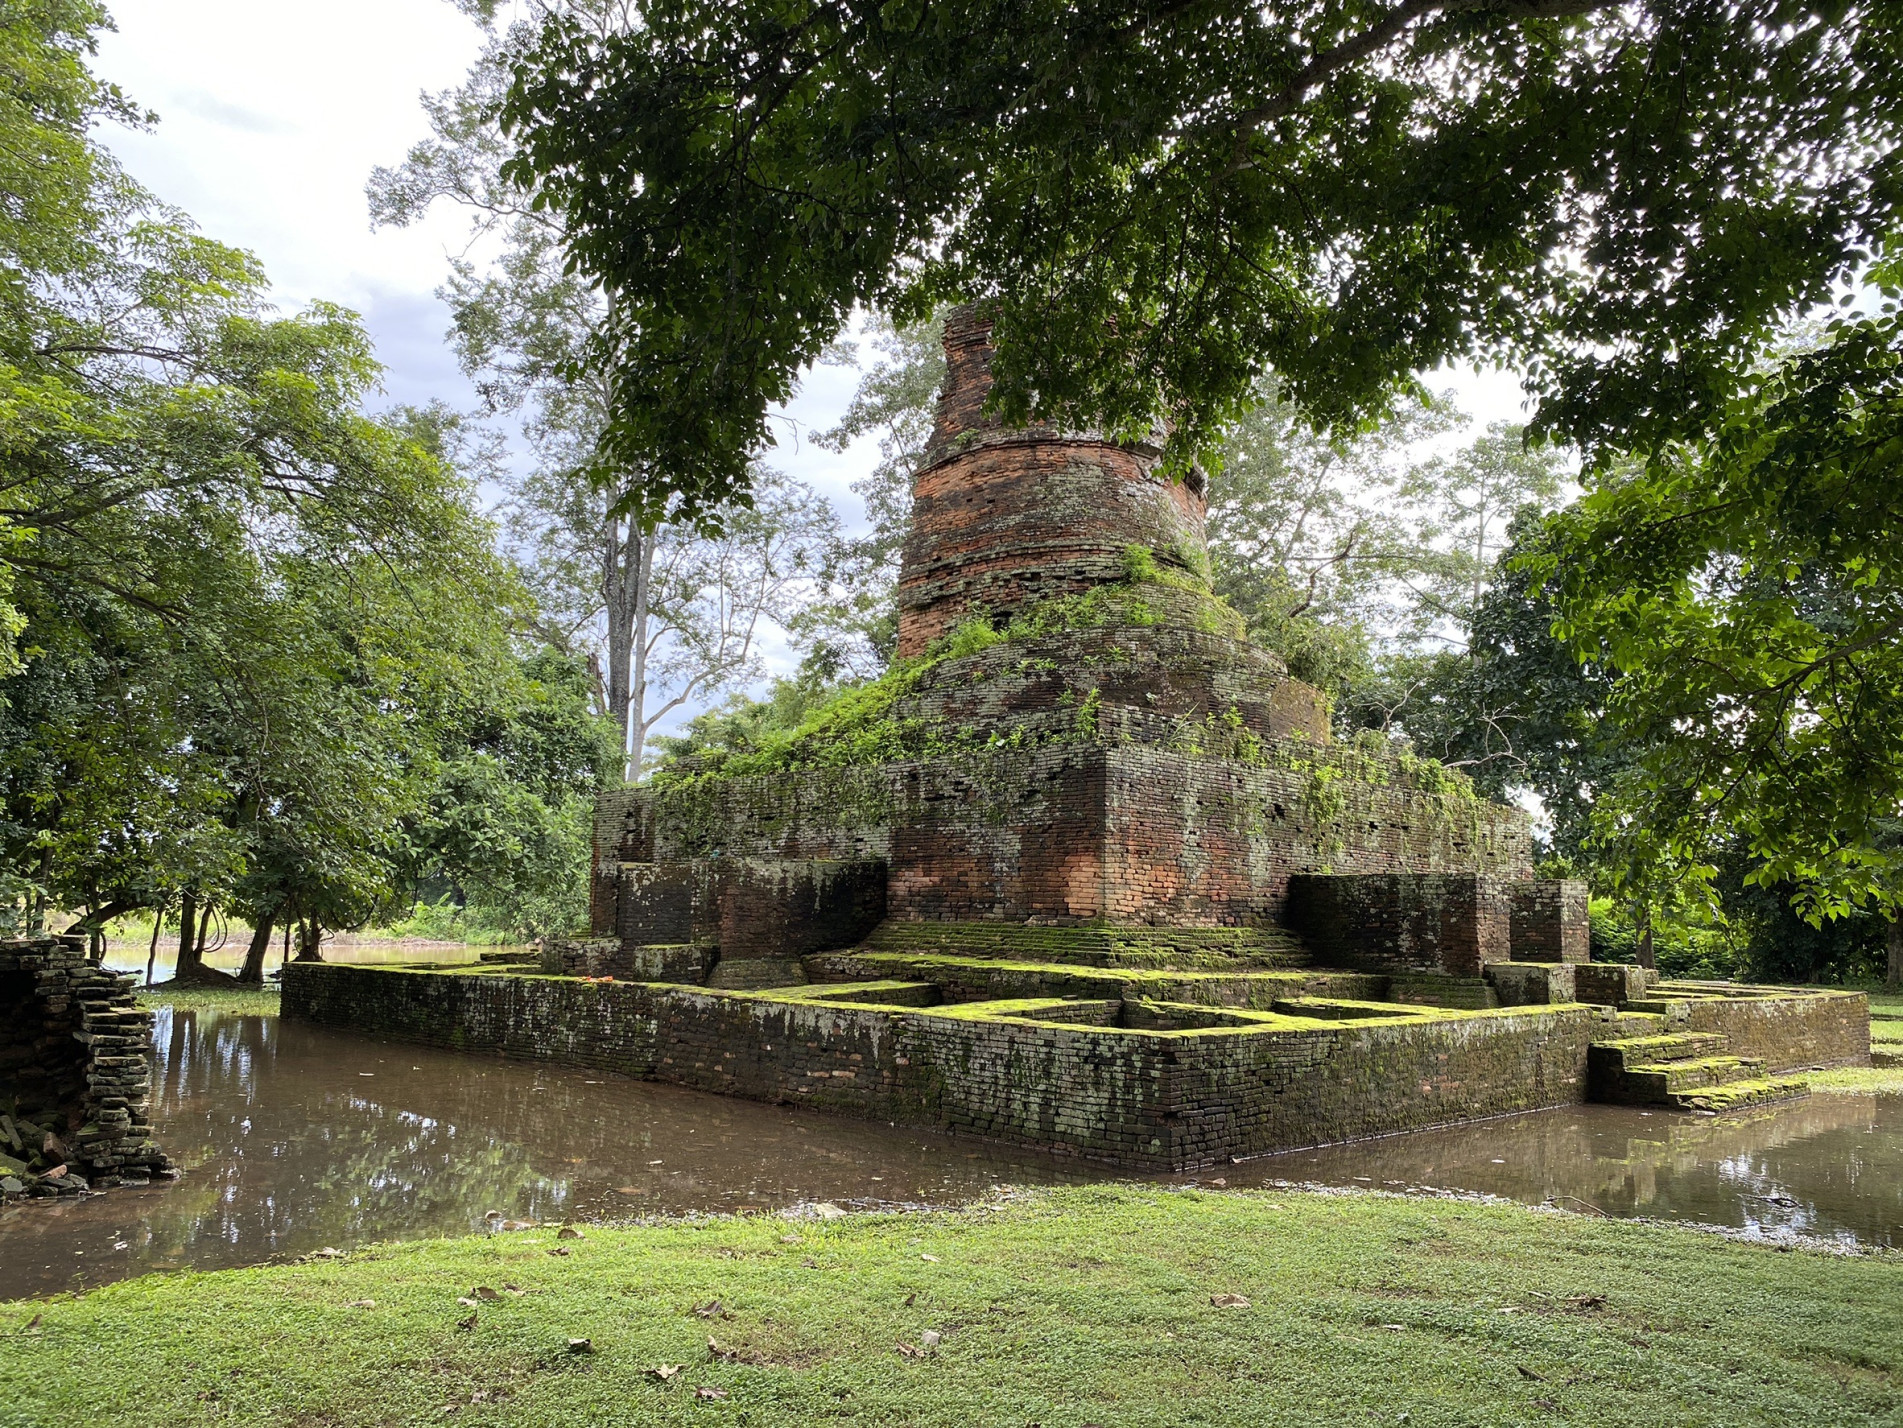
(294, 1138)
(1829, 1167)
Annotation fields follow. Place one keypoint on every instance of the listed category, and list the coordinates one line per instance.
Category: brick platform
(1085, 871)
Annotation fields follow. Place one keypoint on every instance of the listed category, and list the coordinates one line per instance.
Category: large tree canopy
(1164, 201)
(1748, 589)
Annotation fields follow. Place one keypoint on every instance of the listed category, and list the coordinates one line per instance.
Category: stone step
(752, 974)
(1660, 1082)
(1651, 1050)
(1736, 1095)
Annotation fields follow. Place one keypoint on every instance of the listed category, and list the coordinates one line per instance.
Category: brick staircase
(1683, 1071)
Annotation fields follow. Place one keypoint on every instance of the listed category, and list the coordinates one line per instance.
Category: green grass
(252, 1001)
(1062, 1309)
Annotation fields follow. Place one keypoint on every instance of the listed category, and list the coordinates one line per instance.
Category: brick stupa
(1125, 780)
(1086, 873)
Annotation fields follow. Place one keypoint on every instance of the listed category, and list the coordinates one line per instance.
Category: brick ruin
(1094, 877)
(75, 1073)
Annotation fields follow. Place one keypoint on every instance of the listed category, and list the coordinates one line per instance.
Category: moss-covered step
(1736, 1095)
(1659, 1084)
(1098, 944)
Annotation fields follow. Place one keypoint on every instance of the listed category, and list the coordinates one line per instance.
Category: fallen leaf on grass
(665, 1371)
(581, 1346)
(561, 1250)
(483, 1291)
(466, 1302)
(1397, 1328)
(789, 1239)
(327, 1253)
(1229, 1301)
(468, 1323)
(712, 1309)
(1586, 1301)
(568, 1232)
(828, 1211)
(929, 1258)
(1528, 1373)
(361, 1304)
(32, 1323)
(911, 1351)
(929, 1339)
(710, 1394)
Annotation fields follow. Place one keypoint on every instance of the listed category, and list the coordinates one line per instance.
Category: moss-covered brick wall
(1550, 920)
(1789, 1030)
(1171, 1099)
(1448, 922)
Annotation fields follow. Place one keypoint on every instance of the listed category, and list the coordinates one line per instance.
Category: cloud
(232, 116)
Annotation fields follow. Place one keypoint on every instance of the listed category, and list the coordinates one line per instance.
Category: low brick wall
(1160, 1100)
(1792, 1030)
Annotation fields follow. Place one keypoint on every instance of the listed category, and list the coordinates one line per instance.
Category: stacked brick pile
(75, 1073)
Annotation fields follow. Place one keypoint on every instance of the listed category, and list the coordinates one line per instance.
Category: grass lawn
(1061, 1309)
(242, 1001)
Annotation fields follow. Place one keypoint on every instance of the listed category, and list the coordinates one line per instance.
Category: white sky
(271, 117)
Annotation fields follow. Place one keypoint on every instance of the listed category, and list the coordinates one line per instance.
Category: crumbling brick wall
(75, 1071)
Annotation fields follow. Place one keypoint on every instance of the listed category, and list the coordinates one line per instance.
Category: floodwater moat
(295, 1138)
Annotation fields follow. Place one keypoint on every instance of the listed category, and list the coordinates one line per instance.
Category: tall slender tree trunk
(627, 558)
(310, 941)
(636, 727)
(152, 952)
(253, 969)
(1893, 943)
(187, 935)
(1647, 957)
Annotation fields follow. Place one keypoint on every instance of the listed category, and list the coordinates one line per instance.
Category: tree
(246, 609)
(896, 401)
(1747, 588)
(1306, 536)
(1164, 203)
(667, 612)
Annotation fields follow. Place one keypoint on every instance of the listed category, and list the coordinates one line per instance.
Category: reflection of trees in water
(290, 1154)
(1838, 1158)
(287, 1146)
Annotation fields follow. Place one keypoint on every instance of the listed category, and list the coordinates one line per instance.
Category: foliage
(1164, 203)
(256, 621)
(667, 614)
(1747, 589)
(896, 401)
(1306, 536)
(1086, 1304)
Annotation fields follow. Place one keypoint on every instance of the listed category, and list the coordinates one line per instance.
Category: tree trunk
(253, 970)
(636, 728)
(187, 932)
(1893, 973)
(625, 563)
(310, 941)
(191, 967)
(152, 952)
(1647, 958)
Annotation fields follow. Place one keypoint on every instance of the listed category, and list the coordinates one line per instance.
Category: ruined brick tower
(1085, 871)
(1079, 753)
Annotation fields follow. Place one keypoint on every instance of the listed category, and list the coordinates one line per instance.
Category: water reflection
(295, 1137)
(1830, 1166)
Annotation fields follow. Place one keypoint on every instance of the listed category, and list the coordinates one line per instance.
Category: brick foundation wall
(1455, 923)
(1790, 1030)
(1161, 1100)
(1550, 920)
